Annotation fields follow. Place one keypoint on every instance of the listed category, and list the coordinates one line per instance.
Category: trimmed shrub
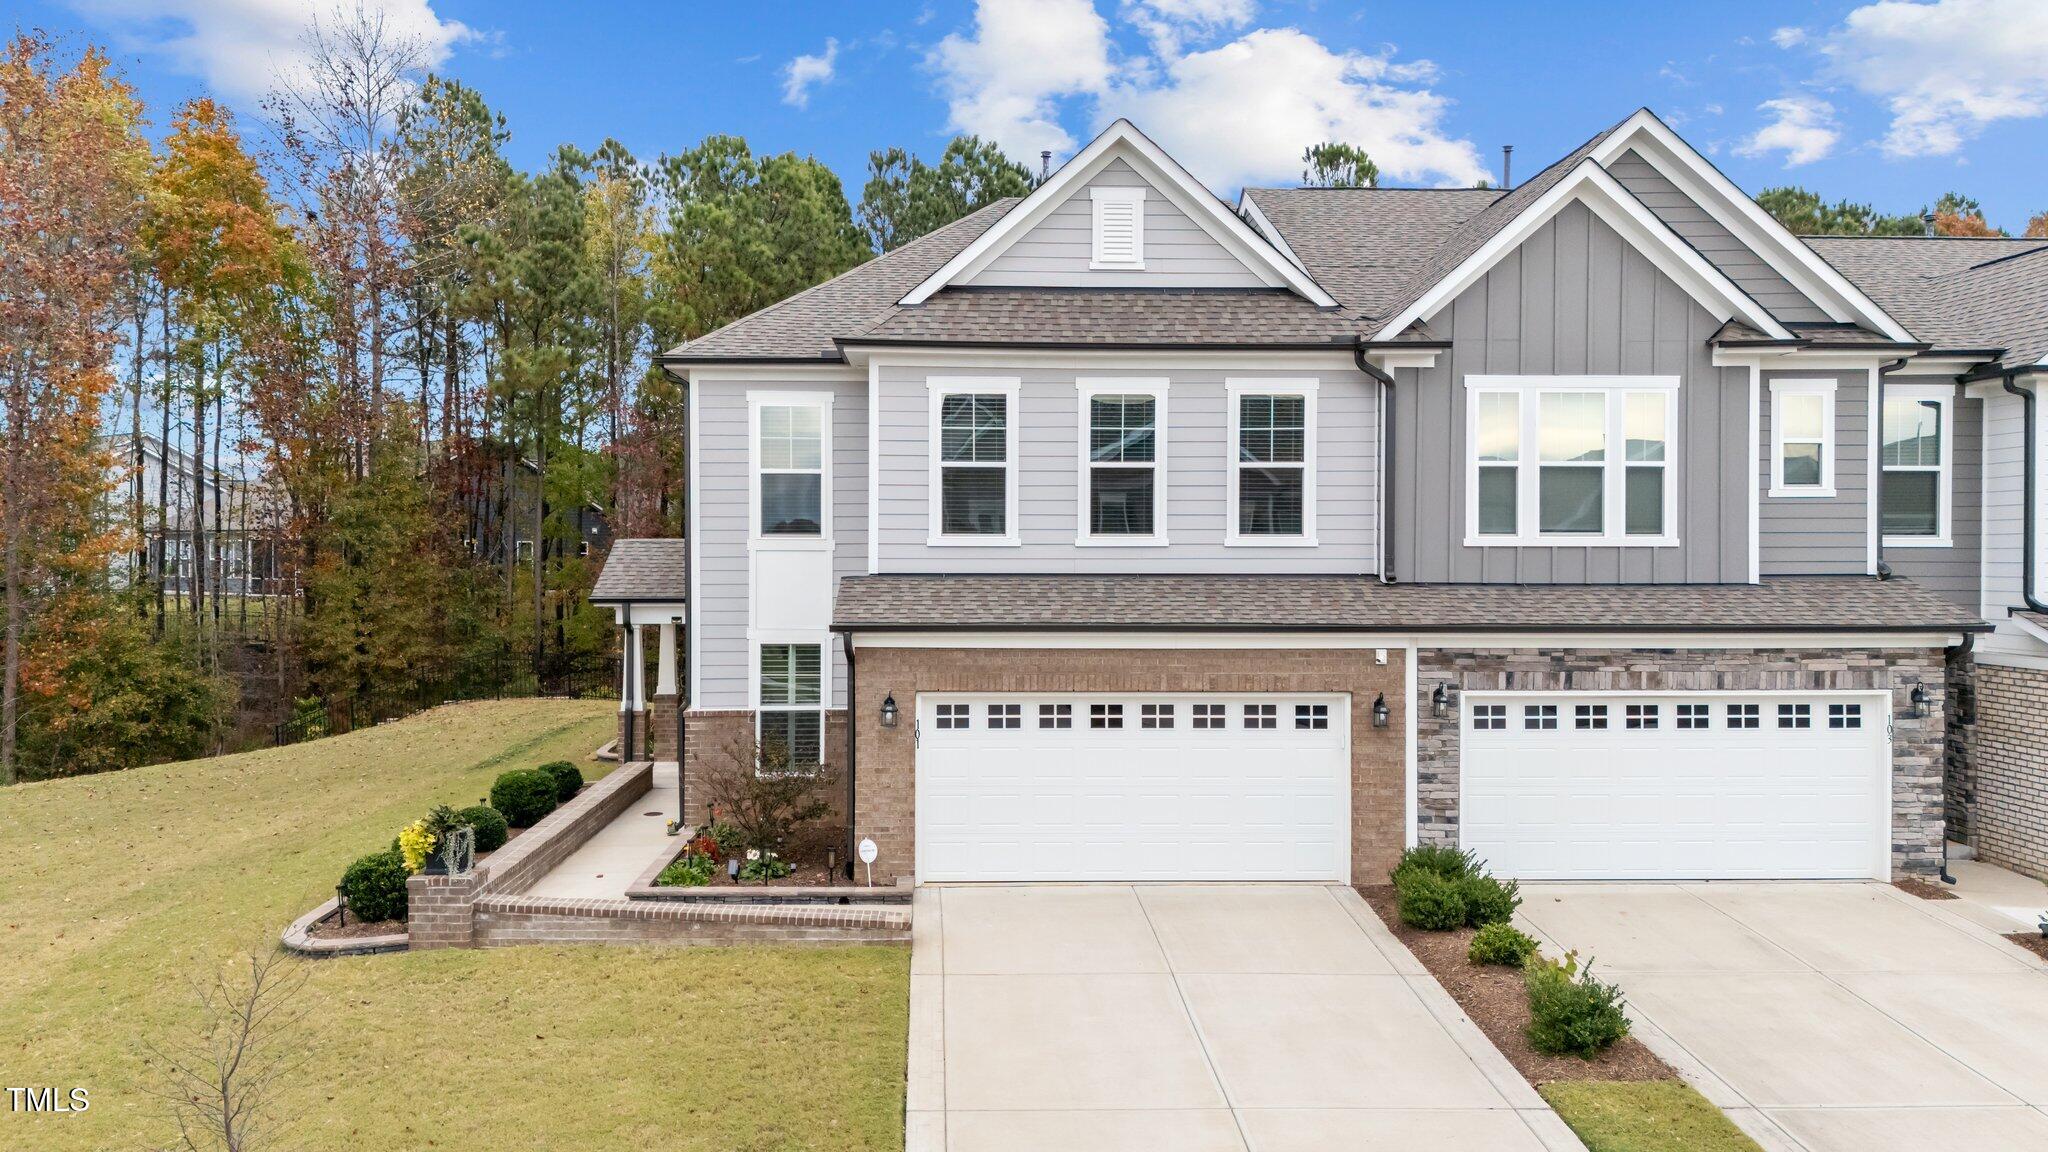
(690, 870)
(490, 826)
(1489, 901)
(374, 886)
(1570, 1012)
(1438, 860)
(1501, 943)
(524, 796)
(568, 780)
(1428, 901)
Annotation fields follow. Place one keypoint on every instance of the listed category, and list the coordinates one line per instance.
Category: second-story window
(1272, 470)
(792, 470)
(973, 465)
(1917, 494)
(1122, 482)
(1582, 460)
(1802, 438)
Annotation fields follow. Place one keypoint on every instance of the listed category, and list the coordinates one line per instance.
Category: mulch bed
(2032, 941)
(355, 929)
(1924, 889)
(1493, 996)
(803, 877)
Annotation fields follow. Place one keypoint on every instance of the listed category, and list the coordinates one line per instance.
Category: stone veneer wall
(885, 788)
(1918, 746)
(2008, 769)
(1958, 782)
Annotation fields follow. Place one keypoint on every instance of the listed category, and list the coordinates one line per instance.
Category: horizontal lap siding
(1574, 299)
(1721, 248)
(1057, 250)
(2003, 519)
(1049, 453)
(1955, 571)
(1809, 536)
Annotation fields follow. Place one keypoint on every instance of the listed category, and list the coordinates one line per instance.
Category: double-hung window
(791, 483)
(1802, 438)
(1123, 462)
(1272, 498)
(792, 707)
(973, 461)
(1571, 460)
(1917, 486)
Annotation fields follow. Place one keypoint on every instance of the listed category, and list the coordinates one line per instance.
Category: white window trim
(941, 387)
(1945, 395)
(1825, 389)
(776, 637)
(1305, 387)
(756, 541)
(1088, 388)
(1134, 196)
(1528, 463)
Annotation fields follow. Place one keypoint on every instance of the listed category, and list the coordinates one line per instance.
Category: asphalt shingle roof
(1363, 245)
(1953, 292)
(1110, 317)
(1363, 603)
(641, 569)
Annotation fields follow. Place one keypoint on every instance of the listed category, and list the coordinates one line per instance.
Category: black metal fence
(501, 678)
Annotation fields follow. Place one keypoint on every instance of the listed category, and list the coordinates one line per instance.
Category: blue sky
(1891, 102)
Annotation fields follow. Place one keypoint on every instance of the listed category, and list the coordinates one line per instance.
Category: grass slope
(116, 891)
(1644, 1116)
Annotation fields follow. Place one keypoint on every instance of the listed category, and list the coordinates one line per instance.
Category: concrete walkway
(611, 860)
(1837, 1017)
(1269, 1018)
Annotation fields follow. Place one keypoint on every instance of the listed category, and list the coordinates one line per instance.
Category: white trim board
(940, 387)
(1590, 184)
(1086, 389)
(1823, 388)
(1226, 641)
(1122, 139)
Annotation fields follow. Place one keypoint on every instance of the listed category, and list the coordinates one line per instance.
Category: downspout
(1386, 380)
(2028, 544)
(1884, 570)
(852, 745)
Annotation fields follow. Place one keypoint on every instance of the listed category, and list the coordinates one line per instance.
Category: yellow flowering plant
(416, 843)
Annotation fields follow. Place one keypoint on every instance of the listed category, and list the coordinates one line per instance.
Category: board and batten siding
(719, 538)
(1819, 535)
(1722, 249)
(1197, 455)
(1057, 250)
(1574, 299)
(1955, 571)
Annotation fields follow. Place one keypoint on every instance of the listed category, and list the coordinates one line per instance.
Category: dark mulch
(1924, 889)
(354, 929)
(1492, 995)
(2032, 941)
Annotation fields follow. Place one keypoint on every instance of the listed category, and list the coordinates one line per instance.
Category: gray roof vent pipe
(1045, 166)
(1507, 167)
(1927, 222)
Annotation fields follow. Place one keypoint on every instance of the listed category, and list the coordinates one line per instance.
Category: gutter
(1386, 380)
(2028, 544)
(1876, 436)
(1436, 628)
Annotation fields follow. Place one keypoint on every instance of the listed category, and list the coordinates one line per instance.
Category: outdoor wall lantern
(889, 711)
(1440, 702)
(1379, 710)
(1919, 701)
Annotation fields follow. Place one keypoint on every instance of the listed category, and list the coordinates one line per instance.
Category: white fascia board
(2028, 627)
(1249, 209)
(1459, 641)
(1165, 173)
(1590, 184)
(1797, 360)
(1128, 360)
(1682, 164)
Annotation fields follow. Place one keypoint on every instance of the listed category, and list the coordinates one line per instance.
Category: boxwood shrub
(1489, 901)
(568, 781)
(524, 796)
(1501, 943)
(374, 886)
(491, 829)
(1428, 901)
(1438, 860)
(1570, 1012)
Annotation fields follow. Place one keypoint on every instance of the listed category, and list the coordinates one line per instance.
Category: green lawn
(117, 890)
(1644, 1116)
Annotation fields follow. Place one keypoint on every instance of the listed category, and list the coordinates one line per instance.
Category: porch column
(665, 680)
(639, 671)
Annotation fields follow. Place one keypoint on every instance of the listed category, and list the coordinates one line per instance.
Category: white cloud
(1803, 128)
(1945, 70)
(245, 49)
(1235, 113)
(1789, 37)
(803, 72)
(1004, 83)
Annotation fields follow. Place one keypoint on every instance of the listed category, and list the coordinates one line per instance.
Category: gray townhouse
(1600, 526)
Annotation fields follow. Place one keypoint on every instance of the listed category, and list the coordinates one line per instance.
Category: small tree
(219, 1083)
(2037, 228)
(1334, 165)
(768, 796)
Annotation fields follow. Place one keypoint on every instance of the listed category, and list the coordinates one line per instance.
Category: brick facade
(711, 739)
(2006, 779)
(1918, 745)
(661, 728)
(502, 921)
(886, 785)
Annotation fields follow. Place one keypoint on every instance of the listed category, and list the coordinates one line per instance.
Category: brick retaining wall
(509, 920)
(2008, 769)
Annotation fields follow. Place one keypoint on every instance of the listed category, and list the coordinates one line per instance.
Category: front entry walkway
(608, 863)
(1824, 1017)
(1221, 1018)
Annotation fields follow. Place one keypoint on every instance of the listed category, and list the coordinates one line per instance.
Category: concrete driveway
(1233, 1018)
(1824, 1017)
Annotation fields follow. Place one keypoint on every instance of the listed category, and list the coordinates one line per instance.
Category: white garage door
(1678, 786)
(1138, 787)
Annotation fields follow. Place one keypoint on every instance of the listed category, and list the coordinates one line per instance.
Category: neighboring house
(1115, 533)
(243, 522)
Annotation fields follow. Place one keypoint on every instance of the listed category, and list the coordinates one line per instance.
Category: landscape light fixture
(1379, 710)
(889, 711)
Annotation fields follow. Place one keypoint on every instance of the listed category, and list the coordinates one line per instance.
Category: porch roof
(642, 571)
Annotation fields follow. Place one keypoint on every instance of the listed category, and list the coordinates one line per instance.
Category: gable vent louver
(1119, 228)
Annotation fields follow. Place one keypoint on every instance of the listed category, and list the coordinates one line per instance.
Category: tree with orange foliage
(72, 167)
(2037, 228)
(1958, 215)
